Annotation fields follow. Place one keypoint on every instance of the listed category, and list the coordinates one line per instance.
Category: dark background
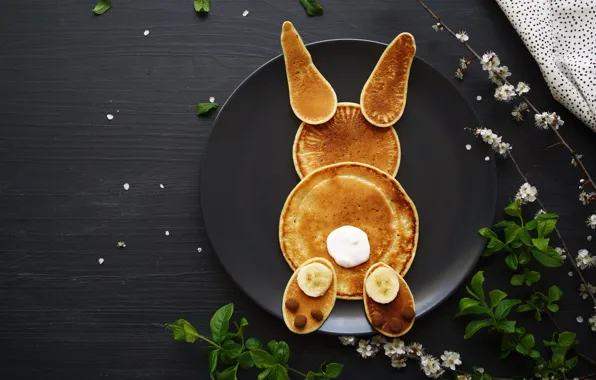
(63, 164)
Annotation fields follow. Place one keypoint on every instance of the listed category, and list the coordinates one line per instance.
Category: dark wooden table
(63, 166)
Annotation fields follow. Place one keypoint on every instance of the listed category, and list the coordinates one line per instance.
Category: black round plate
(247, 174)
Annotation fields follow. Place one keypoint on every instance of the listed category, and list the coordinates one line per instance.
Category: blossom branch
(540, 117)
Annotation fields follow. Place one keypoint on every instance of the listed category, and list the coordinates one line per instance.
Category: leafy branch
(231, 349)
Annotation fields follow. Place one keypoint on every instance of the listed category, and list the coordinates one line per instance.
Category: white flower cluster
(462, 36)
(591, 222)
(586, 291)
(518, 111)
(526, 193)
(586, 198)
(399, 353)
(561, 253)
(584, 259)
(495, 141)
(505, 92)
(545, 120)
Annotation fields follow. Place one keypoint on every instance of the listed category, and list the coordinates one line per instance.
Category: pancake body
(312, 98)
(353, 194)
(392, 309)
(325, 303)
(383, 97)
(346, 137)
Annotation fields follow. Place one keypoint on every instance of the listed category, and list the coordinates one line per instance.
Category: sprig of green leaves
(203, 108)
(560, 344)
(312, 7)
(102, 7)
(231, 349)
(202, 6)
(539, 302)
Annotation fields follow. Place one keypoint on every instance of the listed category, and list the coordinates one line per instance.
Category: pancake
(383, 97)
(311, 96)
(393, 309)
(347, 137)
(325, 303)
(352, 194)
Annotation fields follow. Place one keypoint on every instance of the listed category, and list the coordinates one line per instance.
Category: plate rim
(492, 168)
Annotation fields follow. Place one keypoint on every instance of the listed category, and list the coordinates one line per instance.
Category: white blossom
(584, 259)
(459, 74)
(493, 140)
(539, 212)
(463, 63)
(585, 198)
(505, 93)
(497, 74)
(561, 253)
(398, 362)
(431, 366)
(347, 340)
(437, 27)
(545, 120)
(503, 148)
(574, 162)
(415, 349)
(395, 347)
(462, 36)
(490, 61)
(365, 349)
(450, 359)
(592, 322)
(518, 110)
(586, 291)
(526, 193)
(591, 222)
(522, 88)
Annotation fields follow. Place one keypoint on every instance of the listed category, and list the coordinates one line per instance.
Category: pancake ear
(312, 98)
(383, 97)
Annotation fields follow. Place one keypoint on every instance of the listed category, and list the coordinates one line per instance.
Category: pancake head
(353, 194)
(346, 137)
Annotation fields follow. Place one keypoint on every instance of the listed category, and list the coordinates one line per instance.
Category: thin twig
(553, 128)
(587, 376)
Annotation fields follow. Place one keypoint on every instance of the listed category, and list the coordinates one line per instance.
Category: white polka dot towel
(561, 36)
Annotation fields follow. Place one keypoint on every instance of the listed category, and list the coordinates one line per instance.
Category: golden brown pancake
(352, 194)
(312, 98)
(347, 137)
(393, 309)
(307, 304)
(383, 97)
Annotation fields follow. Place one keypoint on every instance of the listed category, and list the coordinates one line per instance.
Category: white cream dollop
(348, 246)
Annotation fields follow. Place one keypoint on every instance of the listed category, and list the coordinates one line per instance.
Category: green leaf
(252, 344)
(517, 280)
(102, 7)
(203, 108)
(466, 302)
(279, 373)
(531, 276)
(531, 225)
(262, 359)
(522, 350)
(545, 227)
(540, 243)
(535, 354)
(202, 6)
(547, 216)
(553, 307)
(511, 261)
(231, 350)
(504, 308)
(183, 331)
(473, 327)
(263, 375)
(272, 345)
(548, 258)
(476, 284)
(507, 326)
(488, 233)
(220, 322)
(511, 233)
(333, 370)
(213, 361)
(245, 360)
(228, 374)
(496, 296)
(282, 352)
(495, 245)
(504, 223)
(480, 309)
(525, 237)
(243, 324)
(554, 293)
(525, 307)
(528, 341)
(571, 363)
(566, 339)
(312, 7)
(314, 375)
(470, 292)
(516, 244)
(524, 257)
(513, 209)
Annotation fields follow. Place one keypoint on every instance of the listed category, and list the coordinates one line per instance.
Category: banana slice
(382, 285)
(312, 98)
(314, 279)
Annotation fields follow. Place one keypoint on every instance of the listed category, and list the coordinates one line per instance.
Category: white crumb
(110, 116)
(126, 186)
(167, 233)
(212, 99)
(161, 185)
(479, 98)
(579, 319)
(468, 146)
(100, 261)
(245, 13)
(199, 249)
(146, 33)
(487, 158)
(589, 238)
(570, 274)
